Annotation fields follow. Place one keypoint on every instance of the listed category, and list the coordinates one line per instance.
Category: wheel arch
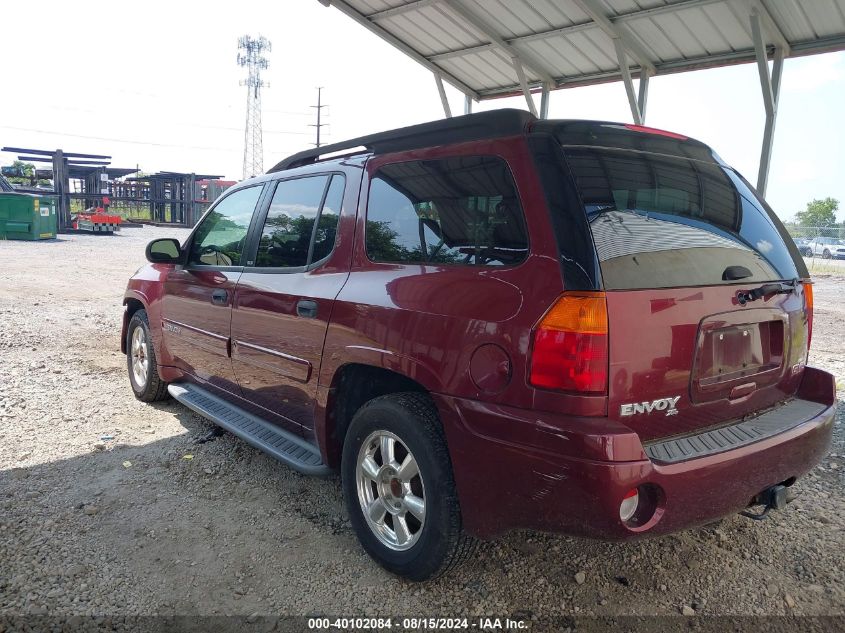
(352, 386)
(132, 303)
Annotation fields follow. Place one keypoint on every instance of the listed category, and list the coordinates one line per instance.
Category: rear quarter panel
(430, 322)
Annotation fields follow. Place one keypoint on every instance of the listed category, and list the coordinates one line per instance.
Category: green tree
(27, 169)
(28, 177)
(819, 213)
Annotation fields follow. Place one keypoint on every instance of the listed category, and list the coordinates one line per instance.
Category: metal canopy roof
(495, 48)
(479, 45)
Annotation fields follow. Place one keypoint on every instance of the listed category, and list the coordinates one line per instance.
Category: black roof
(510, 122)
(459, 129)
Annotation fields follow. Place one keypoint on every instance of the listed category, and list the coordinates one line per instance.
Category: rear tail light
(629, 505)
(569, 346)
(808, 305)
(651, 130)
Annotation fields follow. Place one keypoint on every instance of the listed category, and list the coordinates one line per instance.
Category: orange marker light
(569, 350)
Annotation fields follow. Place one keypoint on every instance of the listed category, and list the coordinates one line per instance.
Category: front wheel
(141, 361)
(826, 254)
(399, 488)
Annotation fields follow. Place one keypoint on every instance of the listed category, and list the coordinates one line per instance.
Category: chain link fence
(819, 245)
(813, 232)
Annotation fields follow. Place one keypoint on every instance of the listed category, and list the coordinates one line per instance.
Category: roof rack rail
(459, 129)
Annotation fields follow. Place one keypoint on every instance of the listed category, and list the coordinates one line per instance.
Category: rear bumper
(523, 469)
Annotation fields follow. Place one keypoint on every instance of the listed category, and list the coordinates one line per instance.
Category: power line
(113, 140)
(287, 112)
(237, 129)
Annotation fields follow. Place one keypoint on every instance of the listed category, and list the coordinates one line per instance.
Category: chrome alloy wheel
(140, 357)
(390, 490)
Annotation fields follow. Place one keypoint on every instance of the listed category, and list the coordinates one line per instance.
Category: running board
(276, 442)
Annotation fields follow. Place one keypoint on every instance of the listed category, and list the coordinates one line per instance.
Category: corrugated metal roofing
(568, 43)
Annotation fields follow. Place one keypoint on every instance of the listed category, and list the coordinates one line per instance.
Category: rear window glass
(461, 210)
(659, 221)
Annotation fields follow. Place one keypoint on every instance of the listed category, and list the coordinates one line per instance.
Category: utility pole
(319, 108)
(252, 58)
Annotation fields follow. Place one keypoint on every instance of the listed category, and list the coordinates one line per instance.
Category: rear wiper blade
(767, 290)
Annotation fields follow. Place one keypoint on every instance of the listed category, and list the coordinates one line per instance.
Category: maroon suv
(494, 322)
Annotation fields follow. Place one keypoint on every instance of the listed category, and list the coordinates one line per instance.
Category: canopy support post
(467, 104)
(443, 100)
(642, 97)
(770, 85)
(544, 101)
(629, 82)
(523, 83)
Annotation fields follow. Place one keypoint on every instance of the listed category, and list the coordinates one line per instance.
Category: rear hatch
(678, 236)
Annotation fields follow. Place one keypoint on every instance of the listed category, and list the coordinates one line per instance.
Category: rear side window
(460, 210)
(660, 221)
(289, 230)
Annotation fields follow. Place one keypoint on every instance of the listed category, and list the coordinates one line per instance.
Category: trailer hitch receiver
(774, 498)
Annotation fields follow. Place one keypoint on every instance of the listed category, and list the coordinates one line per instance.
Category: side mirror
(164, 251)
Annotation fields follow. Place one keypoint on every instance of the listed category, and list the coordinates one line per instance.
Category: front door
(197, 305)
(283, 303)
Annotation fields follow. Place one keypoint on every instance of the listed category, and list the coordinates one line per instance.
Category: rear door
(676, 240)
(283, 302)
(197, 304)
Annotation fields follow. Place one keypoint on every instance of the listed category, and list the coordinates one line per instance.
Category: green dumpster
(27, 216)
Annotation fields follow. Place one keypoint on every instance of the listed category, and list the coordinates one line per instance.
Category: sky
(158, 88)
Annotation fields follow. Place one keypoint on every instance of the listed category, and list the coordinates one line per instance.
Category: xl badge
(661, 404)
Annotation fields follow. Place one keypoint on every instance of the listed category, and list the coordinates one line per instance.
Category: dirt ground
(150, 522)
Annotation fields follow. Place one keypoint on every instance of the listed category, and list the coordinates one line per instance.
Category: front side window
(219, 240)
(286, 239)
(461, 210)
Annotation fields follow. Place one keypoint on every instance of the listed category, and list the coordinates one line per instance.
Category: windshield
(661, 221)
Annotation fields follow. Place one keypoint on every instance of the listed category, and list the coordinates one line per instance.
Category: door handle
(220, 297)
(306, 308)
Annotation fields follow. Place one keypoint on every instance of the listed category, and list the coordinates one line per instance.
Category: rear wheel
(826, 254)
(399, 488)
(141, 361)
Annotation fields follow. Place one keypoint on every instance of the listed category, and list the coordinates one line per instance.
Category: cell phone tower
(251, 54)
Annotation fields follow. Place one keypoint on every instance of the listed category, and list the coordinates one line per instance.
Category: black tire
(826, 254)
(153, 389)
(441, 543)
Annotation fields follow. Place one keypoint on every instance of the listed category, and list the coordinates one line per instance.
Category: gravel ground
(150, 522)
